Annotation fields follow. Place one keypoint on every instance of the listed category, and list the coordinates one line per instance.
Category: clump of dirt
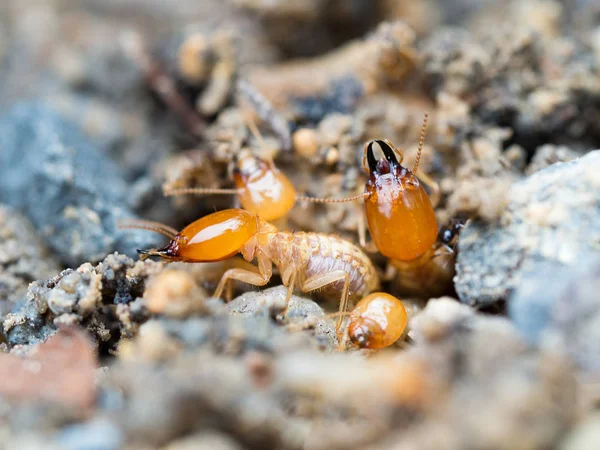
(23, 257)
(101, 298)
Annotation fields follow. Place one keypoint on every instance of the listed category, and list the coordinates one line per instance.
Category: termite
(402, 222)
(261, 188)
(306, 260)
(377, 321)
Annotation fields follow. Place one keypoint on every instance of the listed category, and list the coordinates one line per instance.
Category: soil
(104, 103)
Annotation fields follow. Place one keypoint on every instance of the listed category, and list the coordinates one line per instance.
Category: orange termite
(309, 261)
(402, 221)
(261, 188)
(377, 321)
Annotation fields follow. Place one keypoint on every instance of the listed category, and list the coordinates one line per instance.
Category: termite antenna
(149, 225)
(199, 191)
(421, 142)
(302, 198)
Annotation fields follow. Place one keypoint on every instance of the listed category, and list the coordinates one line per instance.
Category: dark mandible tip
(388, 152)
(371, 160)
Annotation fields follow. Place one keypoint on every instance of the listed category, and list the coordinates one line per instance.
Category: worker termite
(260, 187)
(309, 261)
(377, 321)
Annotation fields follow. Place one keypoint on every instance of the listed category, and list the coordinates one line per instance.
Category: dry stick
(162, 84)
(266, 112)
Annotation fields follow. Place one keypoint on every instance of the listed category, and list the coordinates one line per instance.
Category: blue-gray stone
(552, 216)
(98, 434)
(559, 306)
(73, 193)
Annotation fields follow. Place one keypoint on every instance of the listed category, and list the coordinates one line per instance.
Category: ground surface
(102, 351)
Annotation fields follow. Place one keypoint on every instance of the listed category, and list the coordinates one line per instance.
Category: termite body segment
(309, 261)
(377, 321)
(433, 270)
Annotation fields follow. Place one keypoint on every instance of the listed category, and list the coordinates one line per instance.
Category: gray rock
(71, 192)
(548, 154)
(552, 216)
(300, 311)
(97, 434)
(530, 305)
(585, 435)
(23, 258)
(498, 392)
(562, 311)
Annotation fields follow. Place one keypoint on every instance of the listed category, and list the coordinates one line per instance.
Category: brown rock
(61, 370)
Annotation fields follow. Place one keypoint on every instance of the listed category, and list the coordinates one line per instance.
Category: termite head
(262, 188)
(212, 238)
(170, 251)
(399, 213)
(364, 333)
(448, 235)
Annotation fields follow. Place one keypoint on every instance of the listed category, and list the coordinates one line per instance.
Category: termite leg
(434, 197)
(319, 281)
(391, 272)
(361, 226)
(251, 124)
(229, 292)
(288, 278)
(443, 250)
(265, 270)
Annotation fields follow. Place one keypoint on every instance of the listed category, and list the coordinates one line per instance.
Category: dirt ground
(104, 104)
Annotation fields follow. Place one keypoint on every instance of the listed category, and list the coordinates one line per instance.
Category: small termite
(377, 321)
(306, 260)
(261, 188)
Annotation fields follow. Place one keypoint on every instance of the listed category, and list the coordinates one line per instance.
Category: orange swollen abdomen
(381, 318)
(270, 194)
(217, 236)
(401, 219)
